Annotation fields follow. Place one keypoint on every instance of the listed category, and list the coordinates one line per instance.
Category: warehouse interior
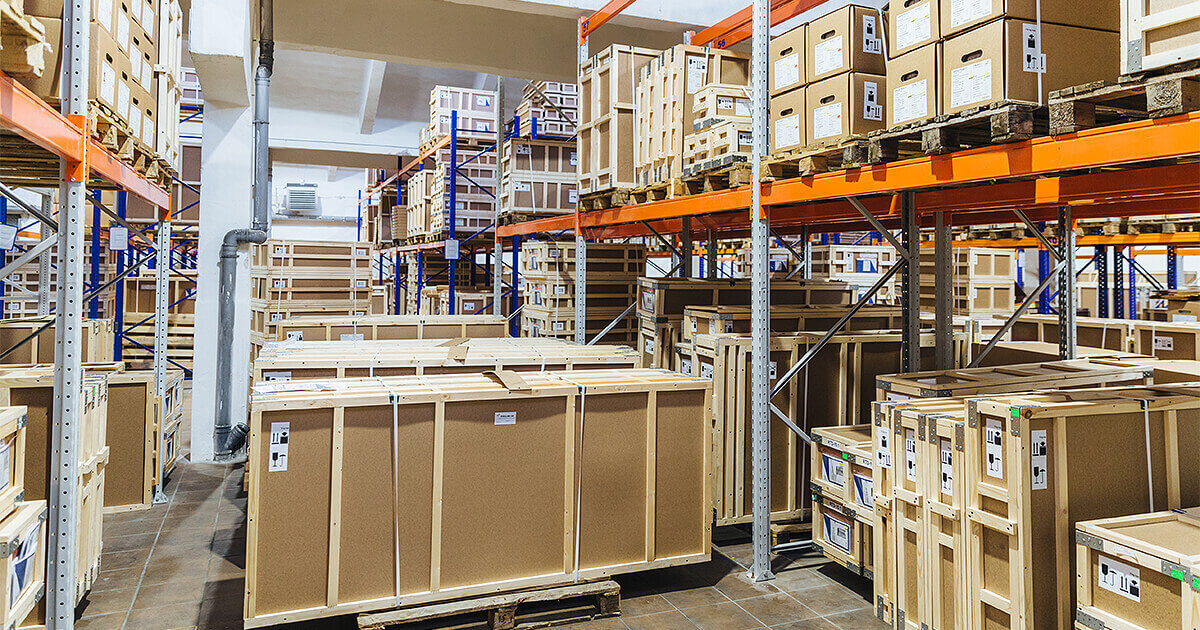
(607, 314)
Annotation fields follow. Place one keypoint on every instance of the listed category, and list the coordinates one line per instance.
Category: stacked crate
(417, 203)
(665, 104)
(139, 301)
(431, 271)
(22, 522)
(435, 300)
(607, 119)
(720, 135)
(860, 266)
(475, 190)
(539, 178)
(557, 114)
(476, 114)
(984, 281)
(549, 271)
(290, 278)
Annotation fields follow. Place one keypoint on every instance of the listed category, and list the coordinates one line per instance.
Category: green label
(1196, 583)
(846, 456)
(1178, 575)
(1014, 412)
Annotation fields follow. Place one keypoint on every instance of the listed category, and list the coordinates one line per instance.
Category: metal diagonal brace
(29, 255)
(1012, 319)
(662, 239)
(1141, 270)
(624, 313)
(788, 246)
(552, 104)
(900, 248)
(1040, 237)
(36, 213)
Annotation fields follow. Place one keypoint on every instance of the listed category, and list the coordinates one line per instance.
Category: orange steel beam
(1140, 141)
(108, 166)
(425, 155)
(738, 28)
(610, 10)
(1123, 240)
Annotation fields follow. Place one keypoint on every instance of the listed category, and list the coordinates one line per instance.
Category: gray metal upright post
(497, 250)
(162, 275)
(580, 250)
(910, 286)
(943, 290)
(1067, 299)
(63, 538)
(760, 305)
(44, 267)
(685, 248)
(710, 255)
(806, 253)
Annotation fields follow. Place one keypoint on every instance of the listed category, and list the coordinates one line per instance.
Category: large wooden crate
(321, 328)
(476, 113)
(1167, 340)
(546, 322)
(97, 336)
(1021, 352)
(785, 318)
(464, 485)
(555, 260)
(1140, 571)
(1014, 378)
(665, 298)
(23, 536)
(133, 436)
(607, 83)
(1092, 332)
(540, 177)
(843, 499)
(310, 360)
(1156, 35)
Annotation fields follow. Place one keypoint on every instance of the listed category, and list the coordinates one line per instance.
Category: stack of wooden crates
(22, 523)
(984, 281)
(549, 271)
(555, 115)
(539, 178)
(860, 266)
(607, 85)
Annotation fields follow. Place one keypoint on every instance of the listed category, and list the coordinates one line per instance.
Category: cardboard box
(145, 107)
(914, 85)
(103, 11)
(912, 24)
(960, 15)
(788, 120)
(141, 60)
(849, 39)
(846, 105)
(108, 67)
(989, 63)
(787, 61)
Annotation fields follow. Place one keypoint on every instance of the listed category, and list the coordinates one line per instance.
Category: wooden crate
(841, 461)
(23, 536)
(1022, 352)
(474, 198)
(322, 255)
(133, 436)
(784, 319)
(1167, 340)
(656, 342)
(980, 264)
(607, 83)
(720, 145)
(316, 286)
(1140, 571)
(141, 295)
(555, 260)
(716, 104)
(661, 298)
(333, 328)
(97, 336)
(1016, 378)
(842, 537)
(476, 113)
(312, 360)
(1156, 36)
(1092, 332)
(1039, 463)
(975, 298)
(544, 322)
(417, 204)
(560, 293)
(539, 506)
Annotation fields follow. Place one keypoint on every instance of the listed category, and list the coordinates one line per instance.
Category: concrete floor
(181, 565)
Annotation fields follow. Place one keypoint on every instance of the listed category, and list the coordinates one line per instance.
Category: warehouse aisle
(181, 566)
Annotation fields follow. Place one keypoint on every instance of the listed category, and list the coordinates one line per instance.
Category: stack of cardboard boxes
(827, 80)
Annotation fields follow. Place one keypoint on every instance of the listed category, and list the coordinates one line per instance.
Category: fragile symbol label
(883, 454)
(947, 468)
(910, 455)
(278, 452)
(993, 437)
(1120, 578)
(1164, 343)
(1037, 459)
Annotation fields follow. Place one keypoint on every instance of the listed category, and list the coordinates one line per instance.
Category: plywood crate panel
(333, 328)
(1158, 34)
(605, 261)
(607, 83)
(667, 297)
(975, 298)
(470, 520)
(133, 435)
(476, 113)
(982, 381)
(1093, 332)
(1167, 340)
(97, 336)
(784, 319)
(841, 537)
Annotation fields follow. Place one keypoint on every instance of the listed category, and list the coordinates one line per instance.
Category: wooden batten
(335, 327)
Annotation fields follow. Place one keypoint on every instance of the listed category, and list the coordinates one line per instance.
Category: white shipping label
(913, 26)
(883, 451)
(872, 43)
(787, 71)
(276, 317)
(1032, 59)
(483, 102)
(963, 11)
(648, 300)
(506, 417)
(706, 370)
(833, 469)
(277, 453)
(741, 107)
(1037, 459)
(361, 284)
(649, 346)
(360, 252)
(787, 132)
(560, 326)
(712, 326)
(1183, 318)
(277, 376)
(947, 455)
(280, 250)
(280, 284)
(572, 196)
(828, 56)
(295, 335)
(5, 464)
(686, 366)
(1120, 578)
(993, 437)
(864, 490)
(8, 236)
(524, 149)
(837, 533)
(574, 160)
(351, 337)
(827, 121)
(910, 455)
(122, 34)
(697, 73)
(872, 110)
(560, 289)
(108, 84)
(773, 370)
(971, 83)
(522, 186)
(451, 249)
(724, 102)
(1164, 343)
(104, 14)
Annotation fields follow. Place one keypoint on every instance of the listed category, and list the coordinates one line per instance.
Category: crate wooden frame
(1093, 332)
(1012, 378)
(661, 298)
(1152, 339)
(714, 320)
(26, 520)
(392, 327)
(607, 120)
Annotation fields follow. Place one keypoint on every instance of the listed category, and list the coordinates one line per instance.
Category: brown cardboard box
(848, 39)
(144, 107)
(108, 67)
(788, 120)
(987, 64)
(912, 24)
(141, 60)
(914, 85)
(103, 11)
(960, 15)
(146, 17)
(787, 61)
(846, 105)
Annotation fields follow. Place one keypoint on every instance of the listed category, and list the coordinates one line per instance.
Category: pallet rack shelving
(1130, 169)
(57, 149)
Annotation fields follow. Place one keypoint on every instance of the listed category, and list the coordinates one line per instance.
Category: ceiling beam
(372, 86)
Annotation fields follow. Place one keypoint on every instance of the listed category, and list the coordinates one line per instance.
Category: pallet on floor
(721, 174)
(540, 608)
(606, 199)
(1135, 97)
(996, 123)
(815, 159)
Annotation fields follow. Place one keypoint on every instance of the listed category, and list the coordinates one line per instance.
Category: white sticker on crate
(1183, 318)
(360, 284)
(837, 532)
(505, 418)
(1032, 59)
(277, 453)
(963, 11)
(647, 300)
(686, 366)
(993, 441)
(560, 289)
(913, 26)
(351, 337)
(122, 34)
(827, 56)
(5, 464)
(833, 469)
(1162, 342)
(864, 490)
(649, 346)
(524, 149)
(725, 102)
(706, 370)
(883, 450)
(277, 376)
(745, 139)
(872, 110)
(295, 335)
(910, 455)
(773, 369)
(280, 250)
(275, 317)
(947, 457)
(697, 73)
(574, 159)
(787, 131)
(787, 71)
(559, 326)
(1037, 459)
(1120, 578)
(872, 43)
(971, 83)
(468, 307)
(522, 186)
(827, 121)
(572, 196)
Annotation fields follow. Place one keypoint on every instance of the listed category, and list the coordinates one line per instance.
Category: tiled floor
(181, 565)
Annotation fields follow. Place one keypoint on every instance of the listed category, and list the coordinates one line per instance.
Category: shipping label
(910, 102)
(1037, 459)
(864, 492)
(649, 346)
(872, 110)
(505, 418)
(277, 453)
(837, 532)
(833, 469)
(883, 451)
(913, 26)
(706, 370)
(686, 366)
(1032, 59)
(993, 441)
(572, 196)
(697, 73)
(1120, 578)
(827, 121)
(1164, 343)
(351, 337)
(787, 131)
(277, 376)
(872, 43)
(910, 455)
(947, 457)
(964, 11)
(787, 71)
(5, 464)
(971, 83)
(828, 56)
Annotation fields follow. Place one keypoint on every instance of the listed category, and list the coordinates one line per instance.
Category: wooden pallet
(724, 175)
(23, 40)
(546, 608)
(1135, 97)
(605, 199)
(815, 159)
(996, 123)
(669, 189)
(115, 136)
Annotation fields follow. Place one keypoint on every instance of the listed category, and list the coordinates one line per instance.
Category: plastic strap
(579, 474)
(1149, 455)
(396, 488)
